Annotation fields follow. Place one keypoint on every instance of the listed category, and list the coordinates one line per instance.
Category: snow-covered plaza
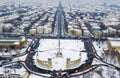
(70, 49)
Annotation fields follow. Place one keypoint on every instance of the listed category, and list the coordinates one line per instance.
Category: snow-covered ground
(110, 58)
(99, 48)
(108, 72)
(50, 44)
(21, 58)
(4, 70)
(101, 72)
(69, 49)
(34, 76)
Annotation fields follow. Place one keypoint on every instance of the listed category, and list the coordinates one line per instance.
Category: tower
(59, 54)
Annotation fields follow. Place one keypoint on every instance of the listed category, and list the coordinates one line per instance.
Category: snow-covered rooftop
(115, 43)
(114, 39)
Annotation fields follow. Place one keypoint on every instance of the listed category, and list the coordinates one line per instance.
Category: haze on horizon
(35, 2)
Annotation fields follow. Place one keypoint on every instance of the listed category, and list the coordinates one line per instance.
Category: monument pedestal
(59, 54)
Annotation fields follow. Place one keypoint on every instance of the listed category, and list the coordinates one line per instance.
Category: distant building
(86, 33)
(33, 31)
(118, 32)
(50, 19)
(114, 46)
(105, 33)
(47, 30)
(18, 31)
(97, 33)
(7, 27)
(111, 22)
(109, 32)
(12, 42)
(74, 32)
(10, 76)
(40, 29)
(95, 26)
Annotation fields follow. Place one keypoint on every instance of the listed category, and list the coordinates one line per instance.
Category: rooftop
(113, 39)
(115, 43)
(12, 39)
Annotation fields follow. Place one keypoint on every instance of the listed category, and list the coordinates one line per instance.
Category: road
(59, 20)
(91, 53)
(61, 28)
